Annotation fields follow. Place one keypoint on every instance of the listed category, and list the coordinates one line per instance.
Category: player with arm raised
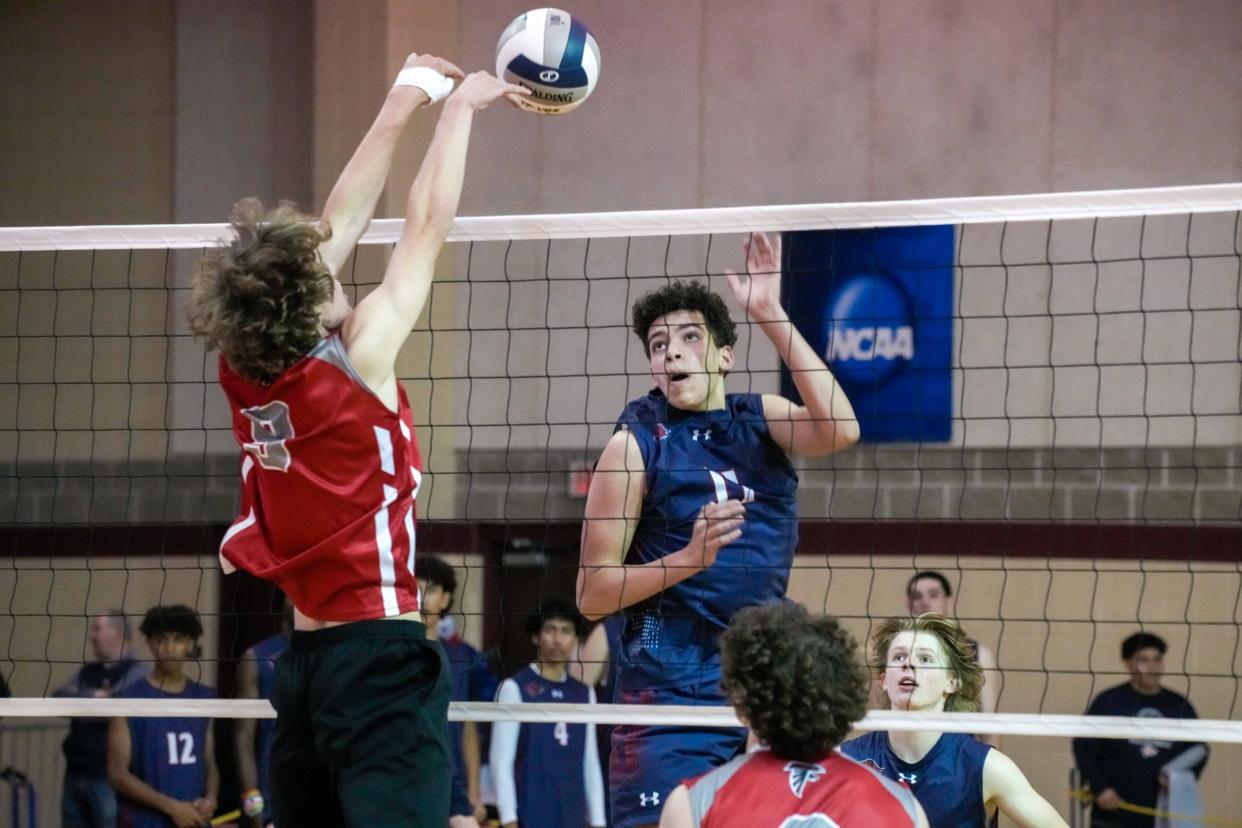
(692, 516)
(330, 469)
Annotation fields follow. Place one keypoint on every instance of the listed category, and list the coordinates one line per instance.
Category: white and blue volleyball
(554, 55)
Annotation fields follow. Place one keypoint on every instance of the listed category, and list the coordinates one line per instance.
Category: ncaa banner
(877, 305)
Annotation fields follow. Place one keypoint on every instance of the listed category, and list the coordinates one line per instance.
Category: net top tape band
(1208, 198)
(1029, 724)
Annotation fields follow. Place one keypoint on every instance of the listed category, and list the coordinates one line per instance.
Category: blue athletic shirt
(548, 772)
(167, 753)
(691, 459)
(948, 781)
(265, 654)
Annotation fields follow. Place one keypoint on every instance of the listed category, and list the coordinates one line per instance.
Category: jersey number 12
(186, 755)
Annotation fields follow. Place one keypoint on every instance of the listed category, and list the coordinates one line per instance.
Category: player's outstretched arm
(825, 422)
(1005, 786)
(590, 665)
(375, 331)
(606, 584)
(354, 196)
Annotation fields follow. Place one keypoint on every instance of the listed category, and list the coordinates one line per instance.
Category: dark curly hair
(687, 296)
(796, 678)
(258, 300)
(176, 618)
(957, 648)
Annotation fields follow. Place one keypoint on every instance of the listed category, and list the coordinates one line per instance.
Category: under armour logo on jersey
(908, 778)
(649, 800)
(802, 774)
(558, 694)
(705, 433)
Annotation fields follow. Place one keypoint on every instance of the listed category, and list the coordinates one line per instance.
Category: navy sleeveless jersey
(169, 754)
(691, 459)
(948, 781)
(548, 773)
(265, 654)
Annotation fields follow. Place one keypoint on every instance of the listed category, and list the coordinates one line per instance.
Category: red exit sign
(580, 477)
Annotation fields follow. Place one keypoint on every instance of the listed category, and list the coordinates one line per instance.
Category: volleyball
(554, 55)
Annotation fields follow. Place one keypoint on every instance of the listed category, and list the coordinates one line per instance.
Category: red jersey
(760, 790)
(329, 476)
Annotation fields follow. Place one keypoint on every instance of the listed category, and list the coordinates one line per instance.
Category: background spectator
(88, 800)
(1130, 771)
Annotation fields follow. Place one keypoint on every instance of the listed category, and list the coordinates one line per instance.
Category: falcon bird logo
(802, 774)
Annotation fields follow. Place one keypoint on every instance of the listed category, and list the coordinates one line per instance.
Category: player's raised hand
(439, 64)
(718, 524)
(480, 89)
(758, 291)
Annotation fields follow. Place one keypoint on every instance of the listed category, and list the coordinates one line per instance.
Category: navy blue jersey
(169, 754)
(948, 781)
(265, 654)
(548, 772)
(692, 459)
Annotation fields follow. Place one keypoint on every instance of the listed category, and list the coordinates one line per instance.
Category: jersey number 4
(184, 756)
(270, 427)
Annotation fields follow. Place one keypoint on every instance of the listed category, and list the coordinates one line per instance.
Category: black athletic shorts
(361, 736)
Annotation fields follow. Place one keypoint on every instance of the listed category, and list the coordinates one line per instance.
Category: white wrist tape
(436, 86)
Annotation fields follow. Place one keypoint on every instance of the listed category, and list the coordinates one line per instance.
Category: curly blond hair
(258, 300)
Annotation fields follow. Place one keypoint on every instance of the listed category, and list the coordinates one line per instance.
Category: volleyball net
(1050, 390)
